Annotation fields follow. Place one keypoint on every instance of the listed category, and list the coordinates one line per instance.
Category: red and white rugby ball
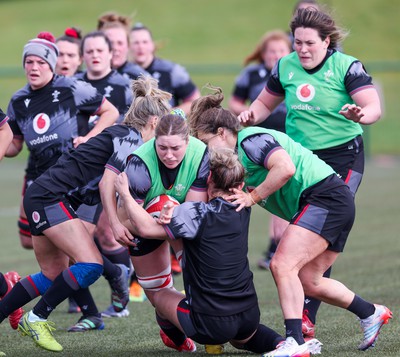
(155, 206)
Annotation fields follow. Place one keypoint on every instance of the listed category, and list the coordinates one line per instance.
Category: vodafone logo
(305, 92)
(41, 123)
(36, 216)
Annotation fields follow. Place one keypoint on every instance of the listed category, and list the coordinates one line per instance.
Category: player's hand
(246, 117)
(80, 140)
(240, 198)
(166, 213)
(352, 112)
(122, 234)
(121, 184)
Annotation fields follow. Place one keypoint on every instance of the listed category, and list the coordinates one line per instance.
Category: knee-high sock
(176, 335)
(84, 299)
(265, 339)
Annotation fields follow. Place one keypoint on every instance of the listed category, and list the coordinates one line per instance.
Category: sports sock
(293, 329)
(272, 248)
(111, 270)
(57, 293)
(265, 339)
(361, 308)
(3, 285)
(176, 335)
(312, 305)
(118, 256)
(16, 298)
(84, 299)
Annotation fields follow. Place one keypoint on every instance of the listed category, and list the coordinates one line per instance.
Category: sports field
(369, 265)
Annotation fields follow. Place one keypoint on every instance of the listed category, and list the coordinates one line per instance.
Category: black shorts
(327, 209)
(144, 246)
(44, 209)
(214, 330)
(347, 160)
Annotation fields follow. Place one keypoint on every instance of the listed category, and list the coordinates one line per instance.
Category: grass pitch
(369, 266)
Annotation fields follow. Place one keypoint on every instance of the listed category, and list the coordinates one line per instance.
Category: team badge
(36, 216)
(305, 92)
(41, 123)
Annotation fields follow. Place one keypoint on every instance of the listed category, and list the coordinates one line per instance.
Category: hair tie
(71, 32)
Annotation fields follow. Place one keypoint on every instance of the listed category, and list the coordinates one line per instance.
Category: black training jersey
(172, 78)
(48, 119)
(216, 272)
(250, 82)
(115, 87)
(131, 70)
(78, 172)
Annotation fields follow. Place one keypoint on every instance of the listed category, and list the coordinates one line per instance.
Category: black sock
(265, 339)
(118, 256)
(272, 248)
(361, 308)
(16, 298)
(293, 329)
(110, 270)
(176, 335)
(3, 285)
(55, 295)
(311, 305)
(85, 301)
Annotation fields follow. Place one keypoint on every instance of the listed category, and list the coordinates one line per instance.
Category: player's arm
(6, 137)
(108, 115)
(15, 147)
(142, 223)
(109, 201)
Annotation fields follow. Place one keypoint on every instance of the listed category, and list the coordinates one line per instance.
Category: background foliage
(211, 38)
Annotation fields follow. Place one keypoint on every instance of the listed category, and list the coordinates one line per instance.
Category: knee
(86, 273)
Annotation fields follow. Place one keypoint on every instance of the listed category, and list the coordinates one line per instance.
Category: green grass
(213, 37)
(369, 265)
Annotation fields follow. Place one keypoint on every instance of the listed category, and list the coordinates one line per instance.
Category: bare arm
(108, 115)
(6, 137)
(14, 148)
(109, 201)
(236, 106)
(281, 169)
(260, 109)
(143, 224)
(367, 109)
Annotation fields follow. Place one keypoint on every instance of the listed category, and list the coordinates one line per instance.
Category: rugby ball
(155, 206)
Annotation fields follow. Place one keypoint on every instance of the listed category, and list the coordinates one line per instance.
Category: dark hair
(139, 26)
(320, 21)
(96, 34)
(226, 170)
(313, 3)
(207, 115)
(72, 35)
(148, 100)
(172, 124)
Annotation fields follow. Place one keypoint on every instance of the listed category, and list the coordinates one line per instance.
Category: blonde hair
(148, 100)
(226, 170)
(275, 35)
